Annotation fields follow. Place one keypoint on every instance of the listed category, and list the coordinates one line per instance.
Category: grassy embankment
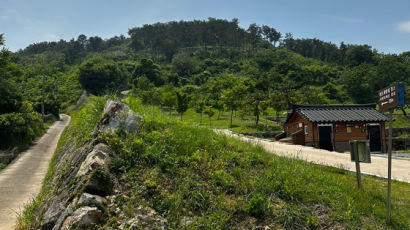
(183, 170)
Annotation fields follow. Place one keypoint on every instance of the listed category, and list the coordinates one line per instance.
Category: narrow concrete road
(21, 181)
(378, 166)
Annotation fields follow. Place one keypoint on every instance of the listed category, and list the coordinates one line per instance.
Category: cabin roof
(338, 113)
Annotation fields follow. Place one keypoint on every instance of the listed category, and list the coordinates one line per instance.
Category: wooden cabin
(331, 127)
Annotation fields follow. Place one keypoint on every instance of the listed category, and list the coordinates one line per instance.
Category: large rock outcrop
(118, 116)
(83, 186)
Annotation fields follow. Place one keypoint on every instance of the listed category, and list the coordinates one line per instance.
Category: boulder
(52, 214)
(125, 93)
(87, 199)
(98, 157)
(83, 218)
(145, 218)
(118, 116)
(99, 183)
(66, 213)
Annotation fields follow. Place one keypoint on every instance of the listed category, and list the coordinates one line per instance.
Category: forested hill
(213, 62)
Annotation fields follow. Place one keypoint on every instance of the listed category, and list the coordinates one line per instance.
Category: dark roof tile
(339, 113)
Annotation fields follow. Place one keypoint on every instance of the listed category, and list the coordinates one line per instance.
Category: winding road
(21, 181)
(378, 166)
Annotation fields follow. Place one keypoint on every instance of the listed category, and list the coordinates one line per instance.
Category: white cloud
(348, 20)
(403, 27)
(4, 17)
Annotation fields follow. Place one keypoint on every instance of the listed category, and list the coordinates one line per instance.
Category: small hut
(331, 127)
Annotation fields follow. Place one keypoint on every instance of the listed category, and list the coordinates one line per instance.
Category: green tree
(311, 95)
(358, 54)
(199, 108)
(168, 97)
(358, 83)
(148, 69)
(258, 104)
(182, 103)
(183, 65)
(233, 97)
(278, 101)
(208, 110)
(100, 76)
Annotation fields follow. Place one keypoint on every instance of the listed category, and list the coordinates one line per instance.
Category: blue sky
(385, 25)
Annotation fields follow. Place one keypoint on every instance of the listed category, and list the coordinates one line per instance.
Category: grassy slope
(190, 171)
(183, 170)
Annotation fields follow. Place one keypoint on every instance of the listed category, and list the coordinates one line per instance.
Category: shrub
(19, 129)
(223, 179)
(256, 205)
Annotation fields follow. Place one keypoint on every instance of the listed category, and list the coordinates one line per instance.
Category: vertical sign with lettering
(391, 97)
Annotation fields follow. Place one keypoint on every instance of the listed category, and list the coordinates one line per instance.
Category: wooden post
(389, 166)
(358, 173)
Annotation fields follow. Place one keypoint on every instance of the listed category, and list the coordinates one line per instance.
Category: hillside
(159, 172)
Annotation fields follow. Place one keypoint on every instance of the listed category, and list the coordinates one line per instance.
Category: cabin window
(306, 130)
(349, 128)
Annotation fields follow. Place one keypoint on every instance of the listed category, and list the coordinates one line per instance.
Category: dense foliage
(214, 63)
(19, 124)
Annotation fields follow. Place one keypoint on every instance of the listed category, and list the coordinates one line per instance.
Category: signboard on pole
(391, 97)
(359, 152)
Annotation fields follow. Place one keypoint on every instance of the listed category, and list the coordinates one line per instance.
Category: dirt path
(22, 179)
(378, 167)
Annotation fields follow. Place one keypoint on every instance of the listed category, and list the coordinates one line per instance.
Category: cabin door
(325, 136)
(373, 134)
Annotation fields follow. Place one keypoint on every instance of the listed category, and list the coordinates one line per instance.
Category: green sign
(360, 149)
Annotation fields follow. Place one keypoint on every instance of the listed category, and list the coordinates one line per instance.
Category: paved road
(22, 179)
(378, 167)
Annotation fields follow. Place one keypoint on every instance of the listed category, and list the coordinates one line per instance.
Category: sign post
(389, 166)
(359, 152)
(390, 98)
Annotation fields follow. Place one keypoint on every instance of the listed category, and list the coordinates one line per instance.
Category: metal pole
(389, 166)
(42, 99)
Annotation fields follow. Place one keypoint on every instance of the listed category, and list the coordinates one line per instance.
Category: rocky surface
(84, 191)
(83, 218)
(118, 116)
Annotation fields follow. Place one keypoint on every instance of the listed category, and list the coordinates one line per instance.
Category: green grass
(240, 125)
(181, 169)
(400, 122)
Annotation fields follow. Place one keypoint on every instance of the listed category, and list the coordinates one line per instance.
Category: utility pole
(55, 88)
(42, 98)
